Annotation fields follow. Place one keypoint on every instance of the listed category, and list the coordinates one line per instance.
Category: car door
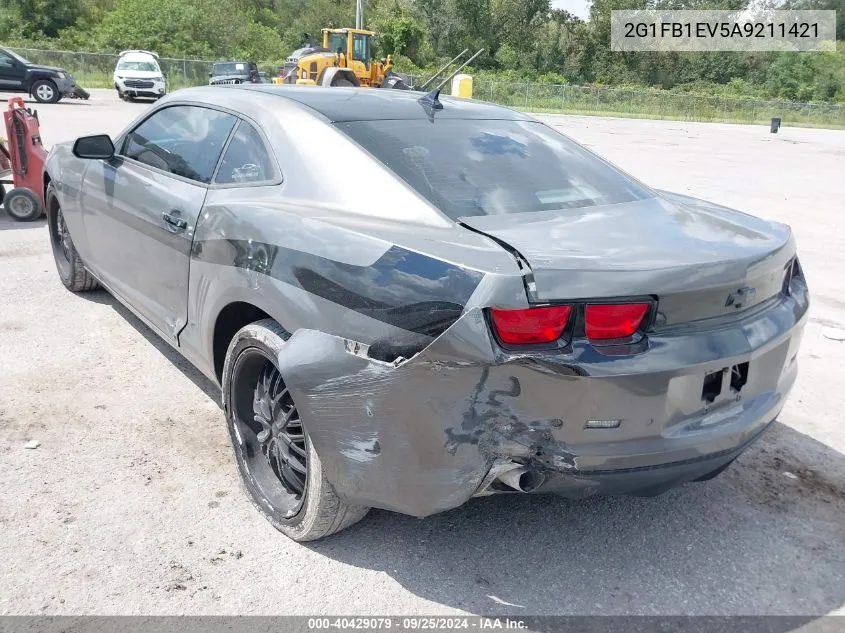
(153, 192)
(12, 72)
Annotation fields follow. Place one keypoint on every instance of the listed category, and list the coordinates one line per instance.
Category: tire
(305, 507)
(342, 82)
(45, 91)
(22, 204)
(119, 93)
(71, 270)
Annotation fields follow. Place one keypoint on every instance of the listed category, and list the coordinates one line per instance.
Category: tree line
(523, 40)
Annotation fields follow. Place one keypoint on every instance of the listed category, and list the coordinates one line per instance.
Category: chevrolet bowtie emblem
(740, 297)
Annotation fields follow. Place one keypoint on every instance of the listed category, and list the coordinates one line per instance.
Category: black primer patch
(409, 290)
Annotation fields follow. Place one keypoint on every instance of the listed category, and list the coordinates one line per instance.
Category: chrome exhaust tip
(508, 476)
(522, 479)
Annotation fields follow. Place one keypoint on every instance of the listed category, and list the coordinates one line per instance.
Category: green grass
(104, 80)
(625, 104)
(657, 105)
(679, 117)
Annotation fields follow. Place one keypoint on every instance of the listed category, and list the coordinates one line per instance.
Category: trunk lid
(701, 260)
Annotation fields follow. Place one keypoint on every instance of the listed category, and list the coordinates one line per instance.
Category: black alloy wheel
(274, 444)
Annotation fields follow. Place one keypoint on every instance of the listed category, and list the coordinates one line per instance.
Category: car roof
(138, 56)
(375, 104)
(138, 53)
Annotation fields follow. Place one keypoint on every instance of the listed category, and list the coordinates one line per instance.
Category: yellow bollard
(462, 86)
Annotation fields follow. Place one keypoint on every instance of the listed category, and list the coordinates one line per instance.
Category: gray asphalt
(131, 503)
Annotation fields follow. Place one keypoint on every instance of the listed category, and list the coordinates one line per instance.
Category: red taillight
(531, 326)
(613, 320)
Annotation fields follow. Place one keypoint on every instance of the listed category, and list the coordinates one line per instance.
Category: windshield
(337, 41)
(127, 65)
(18, 57)
(231, 68)
(470, 167)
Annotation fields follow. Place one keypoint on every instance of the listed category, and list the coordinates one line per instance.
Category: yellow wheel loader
(344, 60)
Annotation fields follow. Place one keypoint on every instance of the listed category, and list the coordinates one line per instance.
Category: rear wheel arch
(231, 318)
(279, 466)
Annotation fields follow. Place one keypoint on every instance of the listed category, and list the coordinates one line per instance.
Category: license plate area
(739, 377)
(728, 382)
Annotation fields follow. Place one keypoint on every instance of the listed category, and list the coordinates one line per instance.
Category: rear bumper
(423, 436)
(645, 480)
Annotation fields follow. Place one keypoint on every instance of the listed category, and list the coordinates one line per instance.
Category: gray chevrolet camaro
(410, 302)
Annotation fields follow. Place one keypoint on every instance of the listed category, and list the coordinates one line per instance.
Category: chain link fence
(656, 104)
(94, 70)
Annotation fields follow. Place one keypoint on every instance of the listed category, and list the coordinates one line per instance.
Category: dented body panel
(410, 399)
(421, 437)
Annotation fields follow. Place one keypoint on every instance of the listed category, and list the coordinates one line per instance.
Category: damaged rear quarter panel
(417, 437)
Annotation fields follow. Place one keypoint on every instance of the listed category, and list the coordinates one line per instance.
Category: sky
(575, 7)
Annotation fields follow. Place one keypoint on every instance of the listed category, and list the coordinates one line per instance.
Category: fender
(330, 75)
(35, 75)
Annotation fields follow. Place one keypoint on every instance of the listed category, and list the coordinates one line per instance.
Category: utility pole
(359, 14)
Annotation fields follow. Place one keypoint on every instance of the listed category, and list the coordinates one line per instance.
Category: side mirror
(94, 147)
(210, 74)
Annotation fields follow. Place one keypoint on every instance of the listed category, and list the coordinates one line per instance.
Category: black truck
(234, 72)
(45, 83)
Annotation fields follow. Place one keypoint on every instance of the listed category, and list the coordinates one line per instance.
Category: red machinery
(22, 163)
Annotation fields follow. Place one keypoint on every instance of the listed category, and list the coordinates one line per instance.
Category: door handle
(175, 221)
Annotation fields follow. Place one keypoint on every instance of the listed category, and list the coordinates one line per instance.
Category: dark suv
(45, 83)
(235, 72)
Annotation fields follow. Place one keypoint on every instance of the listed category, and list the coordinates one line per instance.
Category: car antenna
(432, 100)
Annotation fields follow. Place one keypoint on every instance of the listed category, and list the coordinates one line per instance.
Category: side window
(360, 50)
(6, 61)
(183, 140)
(246, 159)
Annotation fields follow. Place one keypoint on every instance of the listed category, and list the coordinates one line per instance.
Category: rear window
(469, 167)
